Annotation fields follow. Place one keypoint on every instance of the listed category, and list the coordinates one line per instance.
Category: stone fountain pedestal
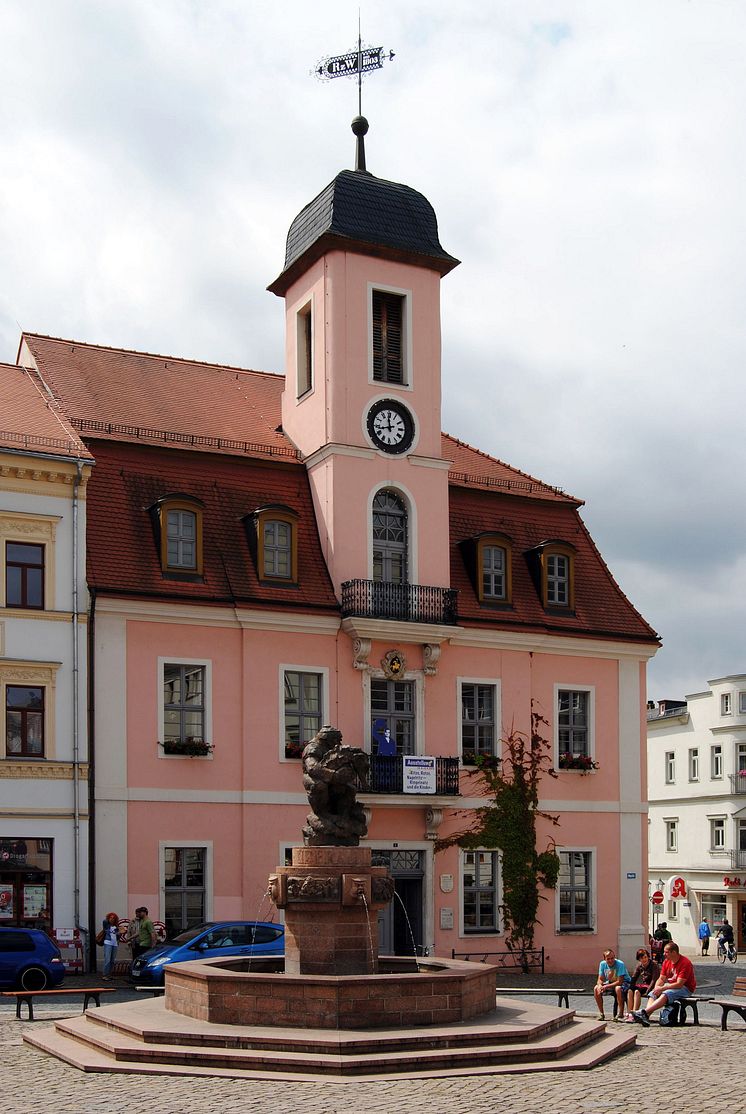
(331, 897)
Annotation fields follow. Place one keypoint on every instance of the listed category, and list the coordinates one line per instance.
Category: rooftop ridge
(530, 480)
(89, 425)
(149, 355)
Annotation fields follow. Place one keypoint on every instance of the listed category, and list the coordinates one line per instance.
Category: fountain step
(90, 1046)
(148, 1021)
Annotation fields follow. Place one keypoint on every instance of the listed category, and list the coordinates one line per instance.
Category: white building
(43, 676)
(697, 818)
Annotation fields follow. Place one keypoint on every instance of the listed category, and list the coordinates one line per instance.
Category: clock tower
(361, 284)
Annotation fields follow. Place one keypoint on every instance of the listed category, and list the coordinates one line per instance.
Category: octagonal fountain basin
(240, 992)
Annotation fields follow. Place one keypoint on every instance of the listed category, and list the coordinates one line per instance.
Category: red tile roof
(601, 608)
(123, 549)
(158, 424)
(31, 422)
(109, 392)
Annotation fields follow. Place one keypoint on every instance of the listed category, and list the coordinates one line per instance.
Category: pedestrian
(110, 931)
(704, 934)
(661, 937)
(676, 981)
(613, 978)
(644, 978)
(142, 932)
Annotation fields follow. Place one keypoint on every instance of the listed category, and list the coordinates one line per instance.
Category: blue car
(212, 940)
(29, 960)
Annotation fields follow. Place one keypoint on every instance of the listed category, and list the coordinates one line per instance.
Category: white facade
(44, 766)
(697, 817)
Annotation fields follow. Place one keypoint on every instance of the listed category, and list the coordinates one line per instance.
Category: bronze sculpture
(331, 773)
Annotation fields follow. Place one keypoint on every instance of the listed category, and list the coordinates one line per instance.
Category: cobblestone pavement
(687, 1070)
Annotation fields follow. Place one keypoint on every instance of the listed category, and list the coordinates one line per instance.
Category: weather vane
(354, 64)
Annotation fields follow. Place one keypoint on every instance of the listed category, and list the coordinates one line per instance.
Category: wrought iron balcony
(411, 603)
(738, 860)
(387, 776)
(738, 782)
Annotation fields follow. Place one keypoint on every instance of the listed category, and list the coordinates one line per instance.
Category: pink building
(270, 553)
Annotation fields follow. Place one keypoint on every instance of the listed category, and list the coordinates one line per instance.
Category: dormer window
(494, 569)
(552, 566)
(180, 524)
(274, 543)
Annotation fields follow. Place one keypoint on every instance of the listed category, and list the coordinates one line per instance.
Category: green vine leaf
(508, 824)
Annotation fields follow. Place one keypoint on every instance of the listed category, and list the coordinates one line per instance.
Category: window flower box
(583, 763)
(294, 750)
(472, 758)
(192, 747)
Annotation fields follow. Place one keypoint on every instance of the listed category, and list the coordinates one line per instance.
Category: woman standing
(111, 943)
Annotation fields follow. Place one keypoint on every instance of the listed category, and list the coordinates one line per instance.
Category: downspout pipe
(92, 928)
(76, 693)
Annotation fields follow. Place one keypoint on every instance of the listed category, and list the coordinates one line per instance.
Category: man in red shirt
(676, 981)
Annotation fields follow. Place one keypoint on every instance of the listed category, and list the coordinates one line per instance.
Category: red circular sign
(657, 898)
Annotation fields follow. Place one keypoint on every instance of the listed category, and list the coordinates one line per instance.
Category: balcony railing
(738, 860)
(738, 782)
(387, 775)
(412, 603)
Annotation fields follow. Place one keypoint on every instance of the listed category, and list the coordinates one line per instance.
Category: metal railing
(738, 783)
(738, 860)
(386, 775)
(413, 603)
(525, 959)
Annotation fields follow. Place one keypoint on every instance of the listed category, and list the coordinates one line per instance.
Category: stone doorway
(407, 868)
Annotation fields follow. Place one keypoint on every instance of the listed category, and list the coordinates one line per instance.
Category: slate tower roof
(359, 211)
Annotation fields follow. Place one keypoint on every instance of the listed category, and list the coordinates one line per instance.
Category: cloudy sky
(586, 160)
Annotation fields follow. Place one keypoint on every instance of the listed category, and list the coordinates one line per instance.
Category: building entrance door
(400, 923)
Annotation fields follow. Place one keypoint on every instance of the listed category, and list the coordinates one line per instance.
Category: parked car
(29, 960)
(212, 940)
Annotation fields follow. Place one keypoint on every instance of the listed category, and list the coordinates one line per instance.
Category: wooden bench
(733, 1004)
(91, 993)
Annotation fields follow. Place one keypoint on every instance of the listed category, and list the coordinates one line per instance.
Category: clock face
(390, 426)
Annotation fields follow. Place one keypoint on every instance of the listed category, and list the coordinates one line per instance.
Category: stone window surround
(43, 674)
(33, 529)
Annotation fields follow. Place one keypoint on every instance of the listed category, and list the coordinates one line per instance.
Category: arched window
(180, 527)
(389, 538)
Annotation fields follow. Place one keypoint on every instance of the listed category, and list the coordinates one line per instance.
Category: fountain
(336, 1009)
(332, 976)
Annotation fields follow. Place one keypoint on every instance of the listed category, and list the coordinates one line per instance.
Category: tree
(508, 823)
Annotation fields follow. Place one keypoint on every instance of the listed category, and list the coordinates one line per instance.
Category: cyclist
(725, 937)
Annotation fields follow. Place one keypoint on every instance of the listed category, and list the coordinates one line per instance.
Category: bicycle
(727, 951)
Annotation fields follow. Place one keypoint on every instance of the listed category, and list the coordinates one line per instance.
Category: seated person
(676, 981)
(613, 978)
(644, 978)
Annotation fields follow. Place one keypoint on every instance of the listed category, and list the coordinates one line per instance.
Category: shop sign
(418, 774)
(729, 883)
(678, 888)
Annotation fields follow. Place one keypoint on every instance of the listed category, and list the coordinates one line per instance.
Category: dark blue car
(212, 940)
(29, 960)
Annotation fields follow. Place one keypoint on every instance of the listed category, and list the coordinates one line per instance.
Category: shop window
(574, 893)
(480, 881)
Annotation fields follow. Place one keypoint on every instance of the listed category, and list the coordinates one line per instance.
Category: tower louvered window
(388, 337)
